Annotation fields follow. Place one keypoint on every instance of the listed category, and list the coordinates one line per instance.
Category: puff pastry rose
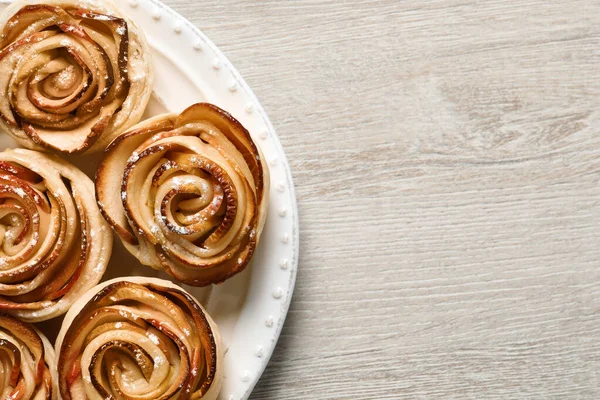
(26, 361)
(140, 338)
(73, 74)
(186, 193)
(54, 243)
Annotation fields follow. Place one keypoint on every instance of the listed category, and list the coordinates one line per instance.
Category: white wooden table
(446, 156)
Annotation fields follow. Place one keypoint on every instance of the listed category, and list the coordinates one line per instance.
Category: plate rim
(288, 174)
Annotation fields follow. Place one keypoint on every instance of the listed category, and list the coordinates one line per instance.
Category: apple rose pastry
(54, 243)
(139, 338)
(72, 75)
(186, 193)
(26, 359)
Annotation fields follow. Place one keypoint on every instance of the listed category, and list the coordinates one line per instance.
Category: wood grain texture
(446, 156)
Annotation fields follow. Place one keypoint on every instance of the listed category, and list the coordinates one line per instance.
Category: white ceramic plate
(250, 308)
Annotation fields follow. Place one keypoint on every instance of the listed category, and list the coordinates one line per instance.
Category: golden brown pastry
(54, 243)
(26, 362)
(187, 193)
(139, 338)
(72, 75)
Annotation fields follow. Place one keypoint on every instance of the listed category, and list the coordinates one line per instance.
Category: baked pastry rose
(72, 75)
(186, 193)
(26, 361)
(140, 338)
(54, 243)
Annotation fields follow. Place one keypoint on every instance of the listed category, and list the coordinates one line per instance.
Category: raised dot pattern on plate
(260, 352)
(269, 322)
(284, 264)
(263, 134)
(246, 376)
